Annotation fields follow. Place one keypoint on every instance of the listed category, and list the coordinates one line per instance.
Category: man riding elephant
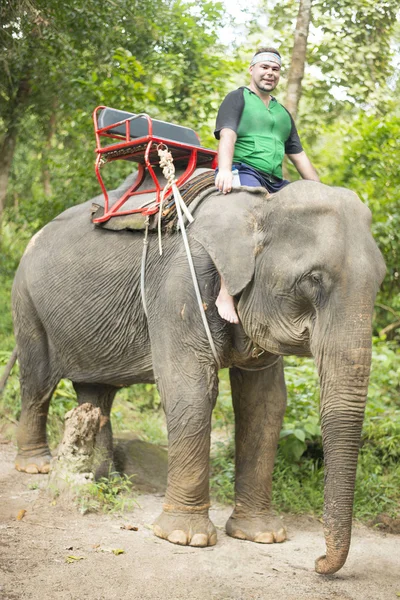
(255, 132)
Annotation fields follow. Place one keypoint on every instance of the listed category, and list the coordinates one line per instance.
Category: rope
(143, 267)
(166, 163)
(190, 191)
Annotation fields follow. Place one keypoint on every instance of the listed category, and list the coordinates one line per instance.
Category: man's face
(265, 76)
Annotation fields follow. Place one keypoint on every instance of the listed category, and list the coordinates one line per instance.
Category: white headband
(266, 57)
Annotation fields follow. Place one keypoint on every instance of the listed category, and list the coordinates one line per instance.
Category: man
(255, 132)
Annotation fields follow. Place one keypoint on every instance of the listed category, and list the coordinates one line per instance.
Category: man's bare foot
(226, 306)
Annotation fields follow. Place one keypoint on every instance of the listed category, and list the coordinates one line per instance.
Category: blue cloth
(253, 178)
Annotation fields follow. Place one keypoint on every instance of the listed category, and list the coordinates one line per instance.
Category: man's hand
(223, 180)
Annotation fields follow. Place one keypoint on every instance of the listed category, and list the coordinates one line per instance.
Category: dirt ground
(33, 551)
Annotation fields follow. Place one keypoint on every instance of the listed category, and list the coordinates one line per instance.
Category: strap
(143, 266)
(166, 163)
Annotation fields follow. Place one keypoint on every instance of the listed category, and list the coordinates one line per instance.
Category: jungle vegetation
(170, 59)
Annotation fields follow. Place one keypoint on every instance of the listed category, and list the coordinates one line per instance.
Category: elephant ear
(227, 226)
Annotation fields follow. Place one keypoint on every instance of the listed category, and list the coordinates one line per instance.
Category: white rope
(166, 163)
(143, 266)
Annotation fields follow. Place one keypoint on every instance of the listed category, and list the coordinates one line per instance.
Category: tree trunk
(7, 149)
(51, 129)
(296, 71)
(8, 143)
(74, 462)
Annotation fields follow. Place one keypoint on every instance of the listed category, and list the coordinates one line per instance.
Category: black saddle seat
(139, 127)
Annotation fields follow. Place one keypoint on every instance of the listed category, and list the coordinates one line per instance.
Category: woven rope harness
(189, 191)
(167, 165)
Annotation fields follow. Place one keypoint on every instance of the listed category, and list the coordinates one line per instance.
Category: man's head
(265, 69)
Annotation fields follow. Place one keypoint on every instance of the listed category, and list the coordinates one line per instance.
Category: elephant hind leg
(38, 380)
(101, 396)
(34, 455)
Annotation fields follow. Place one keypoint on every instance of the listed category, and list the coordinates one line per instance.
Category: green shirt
(264, 134)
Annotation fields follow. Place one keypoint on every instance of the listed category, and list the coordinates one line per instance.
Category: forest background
(176, 60)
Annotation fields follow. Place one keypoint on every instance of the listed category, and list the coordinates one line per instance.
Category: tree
(62, 59)
(346, 40)
(298, 59)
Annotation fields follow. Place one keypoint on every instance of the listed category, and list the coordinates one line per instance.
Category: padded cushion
(139, 127)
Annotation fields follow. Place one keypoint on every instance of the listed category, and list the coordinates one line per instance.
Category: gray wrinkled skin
(305, 272)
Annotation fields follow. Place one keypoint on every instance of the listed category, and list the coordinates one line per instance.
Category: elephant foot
(263, 529)
(186, 529)
(34, 461)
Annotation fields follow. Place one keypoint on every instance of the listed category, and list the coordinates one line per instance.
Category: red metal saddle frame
(143, 150)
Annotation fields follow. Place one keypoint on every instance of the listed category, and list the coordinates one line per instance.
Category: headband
(266, 57)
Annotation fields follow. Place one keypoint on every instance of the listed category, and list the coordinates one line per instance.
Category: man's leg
(224, 303)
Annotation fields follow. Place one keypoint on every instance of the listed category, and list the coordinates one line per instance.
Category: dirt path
(33, 555)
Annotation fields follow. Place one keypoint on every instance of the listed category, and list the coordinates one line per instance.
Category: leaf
(285, 433)
(300, 434)
(118, 551)
(21, 514)
(71, 559)
(293, 448)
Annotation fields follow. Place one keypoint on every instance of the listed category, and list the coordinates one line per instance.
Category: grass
(107, 495)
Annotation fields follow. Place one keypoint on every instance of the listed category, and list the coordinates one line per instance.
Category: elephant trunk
(343, 364)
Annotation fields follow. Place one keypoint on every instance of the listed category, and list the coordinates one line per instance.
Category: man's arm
(304, 166)
(226, 148)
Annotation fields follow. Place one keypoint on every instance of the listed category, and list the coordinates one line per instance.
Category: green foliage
(161, 57)
(364, 157)
(301, 425)
(347, 39)
(137, 410)
(381, 432)
(112, 494)
(222, 475)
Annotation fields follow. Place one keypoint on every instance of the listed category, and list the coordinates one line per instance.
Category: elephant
(304, 270)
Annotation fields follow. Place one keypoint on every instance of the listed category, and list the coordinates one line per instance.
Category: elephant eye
(315, 278)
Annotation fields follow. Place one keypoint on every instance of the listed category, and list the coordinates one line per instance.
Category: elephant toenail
(158, 531)
(32, 470)
(213, 539)
(237, 533)
(280, 536)
(178, 537)
(45, 469)
(199, 539)
(264, 538)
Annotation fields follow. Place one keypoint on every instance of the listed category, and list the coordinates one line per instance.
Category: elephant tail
(11, 362)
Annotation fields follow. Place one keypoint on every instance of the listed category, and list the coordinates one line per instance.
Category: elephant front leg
(259, 400)
(188, 405)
